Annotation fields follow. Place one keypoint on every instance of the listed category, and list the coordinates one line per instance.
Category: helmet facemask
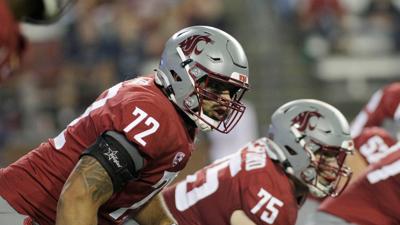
(312, 141)
(218, 99)
(327, 175)
(198, 67)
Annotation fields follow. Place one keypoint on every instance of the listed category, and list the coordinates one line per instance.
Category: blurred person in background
(373, 198)
(12, 43)
(17, 95)
(95, 45)
(372, 142)
(383, 106)
(133, 140)
(267, 180)
(372, 145)
(321, 24)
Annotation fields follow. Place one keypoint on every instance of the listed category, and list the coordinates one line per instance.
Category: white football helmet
(311, 140)
(196, 59)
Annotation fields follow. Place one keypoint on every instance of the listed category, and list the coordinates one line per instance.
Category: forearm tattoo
(96, 179)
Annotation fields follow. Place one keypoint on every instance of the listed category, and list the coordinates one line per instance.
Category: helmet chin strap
(200, 123)
(316, 192)
(309, 175)
(319, 190)
(203, 121)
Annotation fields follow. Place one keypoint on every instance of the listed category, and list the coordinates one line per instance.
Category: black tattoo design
(96, 179)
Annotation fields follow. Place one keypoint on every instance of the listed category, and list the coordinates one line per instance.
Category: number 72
(150, 121)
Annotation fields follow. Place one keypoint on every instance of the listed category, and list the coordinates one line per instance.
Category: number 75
(271, 211)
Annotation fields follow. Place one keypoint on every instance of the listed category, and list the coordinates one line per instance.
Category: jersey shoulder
(148, 118)
(264, 184)
(391, 98)
(268, 191)
(393, 88)
(370, 132)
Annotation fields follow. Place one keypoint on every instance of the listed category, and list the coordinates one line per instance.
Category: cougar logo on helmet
(303, 119)
(190, 44)
(312, 141)
(198, 66)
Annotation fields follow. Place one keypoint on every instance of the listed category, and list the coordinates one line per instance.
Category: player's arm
(104, 168)
(155, 213)
(357, 164)
(238, 217)
(86, 189)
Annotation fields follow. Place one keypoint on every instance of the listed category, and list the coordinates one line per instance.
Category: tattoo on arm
(97, 182)
(86, 189)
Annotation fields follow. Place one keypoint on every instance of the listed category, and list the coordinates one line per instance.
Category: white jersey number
(255, 158)
(185, 199)
(270, 212)
(150, 122)
(384, 173)
(375, 149)
(140, 115)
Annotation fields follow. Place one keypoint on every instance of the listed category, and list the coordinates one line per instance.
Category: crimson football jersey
(374, 144)
(384, 104)
(136, 108)
(374, 198)
(247, 180)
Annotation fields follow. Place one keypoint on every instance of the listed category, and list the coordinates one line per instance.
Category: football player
(133, 140)
(267, 180)
(12, 43)
(371, 145)
(373, 198)
(384, 104)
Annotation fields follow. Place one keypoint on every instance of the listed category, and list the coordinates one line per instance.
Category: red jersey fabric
(137, 108)
(384, 104)
(374, 198)
(374, 144)
(247, 180)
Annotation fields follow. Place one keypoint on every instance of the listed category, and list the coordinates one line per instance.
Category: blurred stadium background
(339, 51)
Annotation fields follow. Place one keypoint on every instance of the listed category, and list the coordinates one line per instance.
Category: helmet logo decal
(190, 44)
(303, 119)
(178, 158)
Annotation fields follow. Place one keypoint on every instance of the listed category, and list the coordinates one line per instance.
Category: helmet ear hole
(290, 150)
(175, 76)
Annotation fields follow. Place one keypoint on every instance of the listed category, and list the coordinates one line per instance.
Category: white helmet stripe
(183, 58)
